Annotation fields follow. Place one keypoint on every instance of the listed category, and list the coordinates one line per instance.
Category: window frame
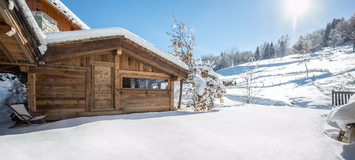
(144, 77)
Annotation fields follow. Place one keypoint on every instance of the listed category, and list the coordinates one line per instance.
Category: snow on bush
(206, 87)
(343, 115)
(11, 91)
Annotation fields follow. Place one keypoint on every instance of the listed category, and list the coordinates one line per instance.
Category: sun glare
(297, 8)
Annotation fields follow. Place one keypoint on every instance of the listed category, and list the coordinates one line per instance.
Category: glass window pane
(145, 83)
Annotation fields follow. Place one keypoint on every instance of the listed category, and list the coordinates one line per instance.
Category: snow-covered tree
(283, 44)
(327, 31)
(335, 37)
(183, 41)
(250, 90)
(207, 87)
(352, 30)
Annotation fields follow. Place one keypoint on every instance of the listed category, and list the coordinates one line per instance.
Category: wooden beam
(99, 113)
(80, 49)
(143, 74)
(117, 79)
(88, 81)
(31, 84)
(25, 69)
(100, 63)
(6, 30)
(175, 78)
(119, 51)
(61, 67)
(6, 51)
(172, 88)
(152, 59)
(17, 64)
(19, 35)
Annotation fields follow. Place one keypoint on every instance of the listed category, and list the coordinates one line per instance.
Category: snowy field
(285, 80)
(283, 123)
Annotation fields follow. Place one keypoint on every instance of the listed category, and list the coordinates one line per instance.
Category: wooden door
(102, 88)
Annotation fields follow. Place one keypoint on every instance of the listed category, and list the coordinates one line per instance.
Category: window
(145, 83)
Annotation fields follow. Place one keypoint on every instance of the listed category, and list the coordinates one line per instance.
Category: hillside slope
(286, 80)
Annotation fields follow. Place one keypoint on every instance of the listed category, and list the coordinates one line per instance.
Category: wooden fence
(341, 97)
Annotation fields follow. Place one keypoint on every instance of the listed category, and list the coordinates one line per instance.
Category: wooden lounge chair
(23, 114)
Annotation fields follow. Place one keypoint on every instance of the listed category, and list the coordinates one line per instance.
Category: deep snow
(249, 132)
(279, 125)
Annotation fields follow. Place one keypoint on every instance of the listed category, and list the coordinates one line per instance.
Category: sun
(297, 8)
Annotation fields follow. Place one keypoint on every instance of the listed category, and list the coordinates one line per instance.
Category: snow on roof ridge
(64, 9)
(59, 37)
(23, 7)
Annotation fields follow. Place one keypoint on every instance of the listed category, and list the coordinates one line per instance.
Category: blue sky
(219, 25)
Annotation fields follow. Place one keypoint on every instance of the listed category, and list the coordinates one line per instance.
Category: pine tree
(257, 54)
(352, 30)
(271, 50)
(328, 29)
(265, 50)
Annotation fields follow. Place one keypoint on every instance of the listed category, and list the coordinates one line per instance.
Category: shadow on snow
(74, 122)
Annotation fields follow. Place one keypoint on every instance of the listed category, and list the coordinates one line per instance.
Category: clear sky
(219, 24)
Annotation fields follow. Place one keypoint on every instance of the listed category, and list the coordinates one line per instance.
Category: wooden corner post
(31, 84)
(88, 86)
(171, 88)
(117, 79)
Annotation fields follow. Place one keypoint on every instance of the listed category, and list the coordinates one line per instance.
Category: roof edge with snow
(68, 36)
(67, 12)
(23, 7)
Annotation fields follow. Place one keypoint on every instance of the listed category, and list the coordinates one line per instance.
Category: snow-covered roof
(60, 37)
(64, 9)
(22, 6)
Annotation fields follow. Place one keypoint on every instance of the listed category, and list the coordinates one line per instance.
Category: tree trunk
(180, 94)
(354, 46)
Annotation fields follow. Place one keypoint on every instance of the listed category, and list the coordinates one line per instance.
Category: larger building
(73, 70)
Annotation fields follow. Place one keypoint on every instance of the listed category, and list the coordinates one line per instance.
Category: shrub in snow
(11, 91)
(12, 84)
(205, 89)
(248, 76)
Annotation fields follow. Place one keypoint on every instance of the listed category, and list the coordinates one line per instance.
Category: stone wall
(45, 22)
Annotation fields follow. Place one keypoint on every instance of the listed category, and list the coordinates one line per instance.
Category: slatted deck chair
(351, 137)
(23, 114)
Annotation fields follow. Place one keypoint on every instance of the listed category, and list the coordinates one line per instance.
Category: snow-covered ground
(246, 132)
(286, 80)
(281, 124)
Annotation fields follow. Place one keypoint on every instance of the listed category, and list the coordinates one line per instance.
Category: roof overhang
(94, 46)
(18, 38)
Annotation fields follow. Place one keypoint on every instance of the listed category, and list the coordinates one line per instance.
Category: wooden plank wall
(62, 93)
(144, 101)
(64, 24)
(127, 63)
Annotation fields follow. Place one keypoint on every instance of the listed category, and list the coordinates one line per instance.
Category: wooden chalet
(86, 72)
